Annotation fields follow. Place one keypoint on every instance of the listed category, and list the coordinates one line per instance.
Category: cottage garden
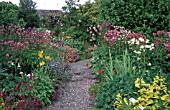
(127, 42)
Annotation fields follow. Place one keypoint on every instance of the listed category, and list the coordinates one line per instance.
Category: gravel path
(73, 95)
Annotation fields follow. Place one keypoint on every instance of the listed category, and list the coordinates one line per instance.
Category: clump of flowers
(149, 95)
(119, 33)
(40, 55)
(70, 55)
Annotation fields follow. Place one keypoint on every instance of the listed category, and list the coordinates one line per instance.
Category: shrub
(27, 11)
(9, 14)
(137, 15)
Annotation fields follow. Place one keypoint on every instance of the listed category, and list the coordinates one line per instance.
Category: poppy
(99, 72)
(87, 64)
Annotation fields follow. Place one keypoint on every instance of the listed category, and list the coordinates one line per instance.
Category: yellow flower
(166, 97)
(47, 58)
(137, 83)
(68, 37)
(42, 63)
(40, 54)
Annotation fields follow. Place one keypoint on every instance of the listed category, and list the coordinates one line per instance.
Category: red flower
(87, 64)
(99, 72)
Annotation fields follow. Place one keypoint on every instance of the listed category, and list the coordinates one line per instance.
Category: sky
(48, 4)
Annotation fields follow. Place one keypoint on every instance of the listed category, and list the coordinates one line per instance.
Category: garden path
(73, 95)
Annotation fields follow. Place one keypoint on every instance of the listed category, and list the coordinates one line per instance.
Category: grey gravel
(73, 95)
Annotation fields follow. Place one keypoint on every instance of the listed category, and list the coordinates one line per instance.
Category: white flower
(153, 48)
(138, 58)
(129, 42)
(147, 41)
(147, 46)
(12, 63)
(134, 67)
(141, 108)
(28, 75)
(137, 52)
(149, 64)
(19, 65)
(137, 42)
(142, 46)
(152, 44)
(141, 39)
(150, 49)
(79, 20)
(132, 100)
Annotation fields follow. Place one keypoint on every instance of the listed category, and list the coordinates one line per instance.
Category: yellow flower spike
(47, 58)
(42, 63)
(40, 54)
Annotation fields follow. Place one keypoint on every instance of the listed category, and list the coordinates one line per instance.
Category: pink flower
(130, 48)
(16, 60)
(7, 55)
(167, 46)
(21, 72)
(154, 34)
(9, 62)
(168, 55)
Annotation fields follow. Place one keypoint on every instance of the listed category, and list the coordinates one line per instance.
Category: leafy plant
(43, 88)
(139, 16)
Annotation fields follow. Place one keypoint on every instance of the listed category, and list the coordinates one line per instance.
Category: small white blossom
(147, 41)
(19, 65)
(147, 46)
(141, 39)
(152, 44)
(137, 42)
(150, 49)
(149, 64)
(129, 42)
(142, 46)
(133, 40)
(141, 107)
(138, 58)
(137, 52)
(12, 63)
(132, 100)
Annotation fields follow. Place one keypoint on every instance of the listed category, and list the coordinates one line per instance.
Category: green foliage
(95, 88)
(43, 87)
(90, 11)
(137, 15)
(27, 11)
(9, 14)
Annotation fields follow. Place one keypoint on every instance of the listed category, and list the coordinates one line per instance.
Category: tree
(27, 11)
